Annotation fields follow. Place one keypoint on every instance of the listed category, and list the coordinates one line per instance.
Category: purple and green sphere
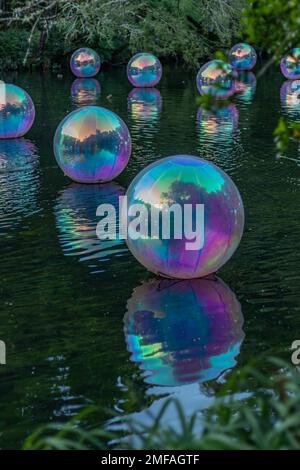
(290, 64)
(144, 70)
(216, 78)
(92, 145)
(185, 182)
(17, 111)
(183, 332)
(85, 63)
(242, 56)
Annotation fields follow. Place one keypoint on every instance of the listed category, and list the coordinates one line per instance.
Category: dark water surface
(82, 321)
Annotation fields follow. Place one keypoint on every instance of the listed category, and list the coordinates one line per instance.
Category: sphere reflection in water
(290, 97)
(92, 145)
(77, 221)
(85, 63)
(181, 332)
(185, 180)
(17, 111)
(290, 64)
(216, 78)
(242, 56)
(245, 86)
(144, 70)
(144, 104)
(19, 181)
(85, 91)
(218, 124)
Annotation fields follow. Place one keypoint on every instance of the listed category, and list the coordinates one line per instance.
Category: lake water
(82, 321)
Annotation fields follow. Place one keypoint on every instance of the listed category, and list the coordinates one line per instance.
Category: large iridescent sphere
(17, 111)
(85, 91)
(183, 199)
(242, 56)
(216, 78)
(183, 332)
(92, 145)
(290, 64)
(85, 63)
(144, 70)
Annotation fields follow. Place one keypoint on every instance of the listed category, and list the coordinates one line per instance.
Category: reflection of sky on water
(245, 86)
(19, 182)
(181, 332)
(217, 125)
(144, 105)
(76, 221)
(85, 91)
(144, 70)
(290, 98)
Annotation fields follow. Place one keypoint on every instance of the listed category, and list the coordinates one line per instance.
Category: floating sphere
(242, 56)
(144, 70)
(290, 97)
(17, 111)
(85, 62)
(290, 64)
(183, 332)
(216, 78)
(92, 145)
(184, 181)
(85, 91)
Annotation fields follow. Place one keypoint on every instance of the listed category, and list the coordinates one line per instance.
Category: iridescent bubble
(76, 219)
(245, 86)
(144, 104)
(186, 181)
(290, 97)
(17, 111)
(290, 64)
(92, 145)
(144, 70)
(19, 182)
(181, 332)
(85, 62)
(216, 78)
(220, 122)
(242, 56)
(85, 91)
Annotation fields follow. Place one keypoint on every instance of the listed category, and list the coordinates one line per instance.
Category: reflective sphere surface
(290, 64)
(216, 78)
(190, 183)
(242, 56)
(180, 332)
(144, 70)
(92, 144)
(85, 62)
(17, 111)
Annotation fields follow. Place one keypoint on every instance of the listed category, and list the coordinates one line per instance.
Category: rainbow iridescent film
(216, 78)
(17, 111)
(290, 64)
(290, 97)
(181, 332)
(92, 145)
(144, 70)
(85, 91)
(187, 180)
(242, 56)
(85, 62)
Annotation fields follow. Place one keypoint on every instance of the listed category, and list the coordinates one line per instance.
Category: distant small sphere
(178, 181)
(85, 62)
(216, 78)
(144, 70)
(290, 64)
(17, 111)
(92, 145)
(242, 56)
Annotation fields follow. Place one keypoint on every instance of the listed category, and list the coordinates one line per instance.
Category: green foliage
(268, 419)
(284, 132)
